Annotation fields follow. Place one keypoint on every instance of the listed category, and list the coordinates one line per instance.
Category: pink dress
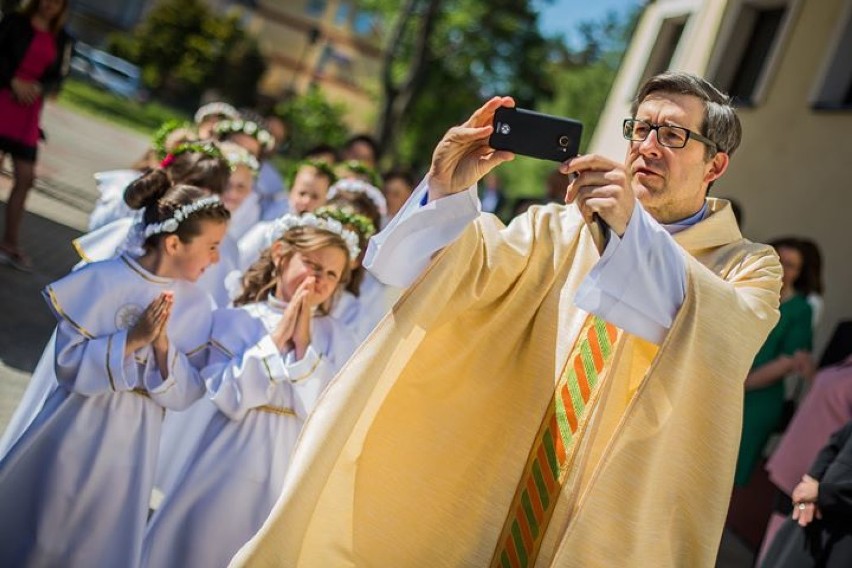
(19, 123)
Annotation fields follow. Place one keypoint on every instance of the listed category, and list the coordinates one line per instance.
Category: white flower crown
(241, 158)
(248, 127)
(171, 224)
(210, 109)
(360, 186)
(288, 221)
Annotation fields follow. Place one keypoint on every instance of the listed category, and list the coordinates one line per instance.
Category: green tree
(312, 120)
(582, 80)
(442, 54)
(184, 48)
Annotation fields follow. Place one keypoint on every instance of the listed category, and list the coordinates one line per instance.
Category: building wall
(791, 172)
(345, 64)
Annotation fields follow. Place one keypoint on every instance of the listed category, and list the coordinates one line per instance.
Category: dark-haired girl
(271, 357)
(132, 331)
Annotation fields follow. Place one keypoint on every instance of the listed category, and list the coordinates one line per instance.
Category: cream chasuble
(414, 454)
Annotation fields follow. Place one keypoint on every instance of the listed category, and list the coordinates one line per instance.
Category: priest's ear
(717, 166)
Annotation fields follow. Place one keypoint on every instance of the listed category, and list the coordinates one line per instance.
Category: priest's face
(671, 183)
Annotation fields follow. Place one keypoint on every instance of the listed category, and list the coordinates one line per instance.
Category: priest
(546, 393)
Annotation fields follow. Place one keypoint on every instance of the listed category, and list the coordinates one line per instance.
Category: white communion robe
(110, 205)
(74, 488)
(364, 312)
(230, 484)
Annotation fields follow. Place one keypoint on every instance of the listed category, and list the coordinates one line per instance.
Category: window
(316, 8)
(364, 23)
(335, 65)
(760, 42)
(341, 18)
(835, 89)
(751, 48)
(668, 38)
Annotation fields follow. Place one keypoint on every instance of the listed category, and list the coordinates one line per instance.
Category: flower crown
(348, 218)
(158, 141)
(241, 157)
(288, 222)
(180, 214)
(359, 186)
(324, 168)
(218, 108)
(207, 148)
(247, 127)
(359, 168)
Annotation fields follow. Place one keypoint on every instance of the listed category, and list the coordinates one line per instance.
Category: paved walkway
(57, 212)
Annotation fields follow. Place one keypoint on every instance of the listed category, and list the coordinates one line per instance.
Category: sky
(562, 16)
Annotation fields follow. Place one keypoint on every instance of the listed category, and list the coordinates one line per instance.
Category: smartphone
(534, 134)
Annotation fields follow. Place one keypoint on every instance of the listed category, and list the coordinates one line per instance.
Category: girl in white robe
(182, 429)
(132, 334)
(367, 300)
(271, 358)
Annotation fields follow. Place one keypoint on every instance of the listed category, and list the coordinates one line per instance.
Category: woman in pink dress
(34, 55)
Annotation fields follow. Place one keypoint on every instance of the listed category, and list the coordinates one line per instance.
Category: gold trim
(141, 392)
(54, 301)
(310, 371)
(144, 275)
(192, 352)
(279, 410)
(220, 347)
(268, 370)
(80, 252)
(109, 371)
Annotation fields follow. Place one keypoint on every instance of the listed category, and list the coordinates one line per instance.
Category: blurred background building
(789, 65)
(330, 43)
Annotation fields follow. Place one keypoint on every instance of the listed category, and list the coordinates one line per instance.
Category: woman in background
(34, 55)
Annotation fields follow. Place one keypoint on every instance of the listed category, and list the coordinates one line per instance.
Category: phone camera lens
(564, 141)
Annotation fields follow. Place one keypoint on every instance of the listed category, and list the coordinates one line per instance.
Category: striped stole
(553, 448)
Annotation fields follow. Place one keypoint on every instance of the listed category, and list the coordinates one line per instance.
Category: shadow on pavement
(27, 321)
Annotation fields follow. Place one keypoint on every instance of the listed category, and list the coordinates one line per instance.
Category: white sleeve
(181, 387)
(308, 378)
(398, 254)
(93, 365)
(236, 383)
(639, 283)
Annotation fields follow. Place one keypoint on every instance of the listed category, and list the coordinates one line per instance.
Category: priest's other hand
(602, 186)
(463, 155)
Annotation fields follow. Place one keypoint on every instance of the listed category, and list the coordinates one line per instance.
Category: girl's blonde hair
(261, 278)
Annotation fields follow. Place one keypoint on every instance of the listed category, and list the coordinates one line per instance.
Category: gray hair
(720, 124)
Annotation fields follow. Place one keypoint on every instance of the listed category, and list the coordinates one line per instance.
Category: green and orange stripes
(546, 469)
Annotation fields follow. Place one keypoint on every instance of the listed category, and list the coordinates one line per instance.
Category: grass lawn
(142, 117)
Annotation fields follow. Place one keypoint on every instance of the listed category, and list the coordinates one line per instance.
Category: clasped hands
(463, 157)
(293, 330)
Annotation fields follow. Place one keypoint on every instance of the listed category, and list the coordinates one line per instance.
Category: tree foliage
(313, 120)
(582, 79)
(184, 48)
(442, 54)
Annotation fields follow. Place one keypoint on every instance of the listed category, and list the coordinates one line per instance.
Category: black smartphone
(534, 134)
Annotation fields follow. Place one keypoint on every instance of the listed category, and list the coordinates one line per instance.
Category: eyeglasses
(668, 136)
